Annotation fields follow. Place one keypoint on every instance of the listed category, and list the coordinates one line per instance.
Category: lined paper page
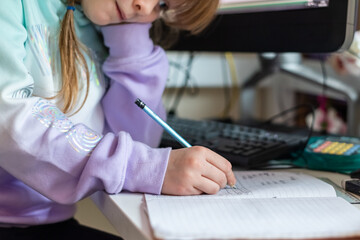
(204, 218)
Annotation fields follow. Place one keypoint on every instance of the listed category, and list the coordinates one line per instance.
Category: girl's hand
(196, 170)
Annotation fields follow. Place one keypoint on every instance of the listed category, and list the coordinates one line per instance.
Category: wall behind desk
(209, 84)
(210, 77)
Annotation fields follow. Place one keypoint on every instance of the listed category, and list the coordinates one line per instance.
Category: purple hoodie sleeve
(66, 161)
(137, 69)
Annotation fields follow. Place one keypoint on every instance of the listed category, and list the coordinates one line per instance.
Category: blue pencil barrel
(163, 124)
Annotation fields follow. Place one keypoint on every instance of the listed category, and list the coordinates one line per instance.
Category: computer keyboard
(243, 146)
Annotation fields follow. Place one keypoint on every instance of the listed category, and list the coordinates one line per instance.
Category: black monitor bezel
(316, 30)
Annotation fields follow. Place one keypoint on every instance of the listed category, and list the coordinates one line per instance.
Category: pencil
(162, 123)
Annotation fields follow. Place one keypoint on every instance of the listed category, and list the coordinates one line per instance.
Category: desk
(126, 210)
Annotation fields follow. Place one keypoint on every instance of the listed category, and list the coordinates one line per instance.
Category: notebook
(264, 205)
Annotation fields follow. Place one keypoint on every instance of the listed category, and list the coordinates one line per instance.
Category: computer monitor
(237, 6)
(283, 26)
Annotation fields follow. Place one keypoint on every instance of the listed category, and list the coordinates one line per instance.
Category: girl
(66, 132)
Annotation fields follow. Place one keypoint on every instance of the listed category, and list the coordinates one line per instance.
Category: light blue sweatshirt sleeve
(44, 149)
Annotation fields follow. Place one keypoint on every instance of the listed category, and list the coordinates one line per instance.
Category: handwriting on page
(277, 185)
(259, 184)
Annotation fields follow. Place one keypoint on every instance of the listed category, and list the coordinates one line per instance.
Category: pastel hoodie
(49, 160)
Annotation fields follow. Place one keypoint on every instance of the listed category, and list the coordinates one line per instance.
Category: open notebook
(264, 205)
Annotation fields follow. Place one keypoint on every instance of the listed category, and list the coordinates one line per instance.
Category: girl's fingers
(214, 174)
(222, 164)
(196, 191)
(206, 185)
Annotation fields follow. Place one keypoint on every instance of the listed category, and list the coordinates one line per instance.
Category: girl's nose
(145, 7)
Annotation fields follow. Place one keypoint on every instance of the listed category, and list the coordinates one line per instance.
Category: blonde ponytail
(72, 62)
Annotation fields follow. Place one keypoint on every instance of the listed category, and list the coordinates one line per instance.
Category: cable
(175, 77)
(322, 99)
(235, 91)
(300, 153)
(325, 76)
(181, 91)
(294, 109)
(225, 77)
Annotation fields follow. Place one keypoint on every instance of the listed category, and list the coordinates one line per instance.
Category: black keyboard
(243, 146)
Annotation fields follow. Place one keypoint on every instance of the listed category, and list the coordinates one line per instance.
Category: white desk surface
(126, 211)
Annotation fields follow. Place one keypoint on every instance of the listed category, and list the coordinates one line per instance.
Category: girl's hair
(71, 56)
(190, 15)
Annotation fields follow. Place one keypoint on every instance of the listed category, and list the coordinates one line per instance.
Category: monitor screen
(237, 6)
(310, 26)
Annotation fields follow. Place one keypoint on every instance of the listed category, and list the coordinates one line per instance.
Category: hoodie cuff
(128, 40)
(145, 171)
